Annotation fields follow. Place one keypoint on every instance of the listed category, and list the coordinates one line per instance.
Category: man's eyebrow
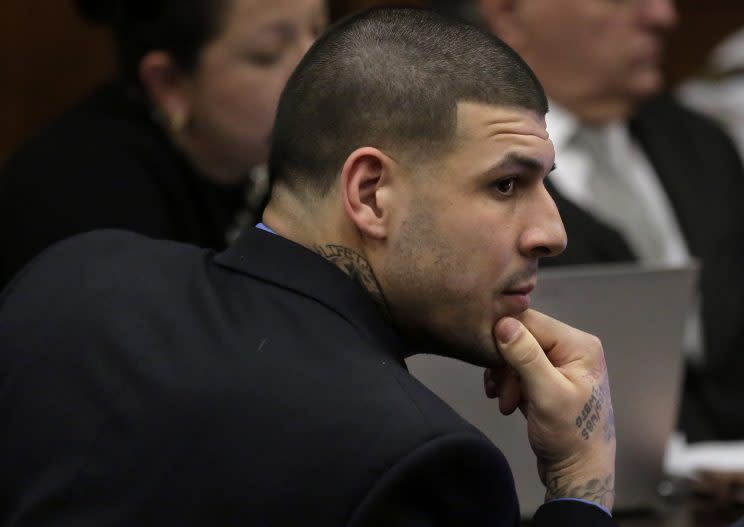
(522, 161)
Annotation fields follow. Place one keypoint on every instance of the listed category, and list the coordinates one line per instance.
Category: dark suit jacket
(702, 174)
(154, 383)
(107, 164)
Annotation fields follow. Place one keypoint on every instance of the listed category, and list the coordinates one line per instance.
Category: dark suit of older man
(702, 176)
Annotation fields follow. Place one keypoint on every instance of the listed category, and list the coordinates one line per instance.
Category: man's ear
(502, 18)
(166, 88)
(366, 187)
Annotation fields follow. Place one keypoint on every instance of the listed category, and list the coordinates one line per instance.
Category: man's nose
(545, 234)
(659, 14)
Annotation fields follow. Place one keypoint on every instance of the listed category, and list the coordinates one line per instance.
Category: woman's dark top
(107, 164)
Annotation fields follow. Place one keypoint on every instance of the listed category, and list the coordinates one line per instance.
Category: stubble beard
(434, 317)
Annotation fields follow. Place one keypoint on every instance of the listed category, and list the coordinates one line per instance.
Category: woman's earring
(177, 122)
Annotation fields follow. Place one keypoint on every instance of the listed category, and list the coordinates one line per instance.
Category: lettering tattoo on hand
(357, 267)
(601, 491)
(588, 421)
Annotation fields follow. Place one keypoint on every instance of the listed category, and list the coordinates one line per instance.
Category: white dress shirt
(574, 168)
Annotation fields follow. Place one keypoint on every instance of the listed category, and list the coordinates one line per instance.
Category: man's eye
(505, 186)
(265, 58)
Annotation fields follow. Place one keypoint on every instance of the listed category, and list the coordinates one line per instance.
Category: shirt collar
(264, 227)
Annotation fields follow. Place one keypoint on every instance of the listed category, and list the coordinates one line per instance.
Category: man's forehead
(491, 136)
(480, 121)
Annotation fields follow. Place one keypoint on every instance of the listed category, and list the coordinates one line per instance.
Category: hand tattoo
(589, 419)
(355, 265)
(601, 491)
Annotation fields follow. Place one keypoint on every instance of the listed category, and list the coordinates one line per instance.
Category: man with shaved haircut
(641, 177)
(153, 383)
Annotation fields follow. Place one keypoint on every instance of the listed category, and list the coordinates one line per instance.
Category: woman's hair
(179, 27)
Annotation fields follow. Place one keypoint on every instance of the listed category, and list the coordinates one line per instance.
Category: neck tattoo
(358, 268)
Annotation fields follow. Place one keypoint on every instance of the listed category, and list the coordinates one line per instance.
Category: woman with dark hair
(167, 149)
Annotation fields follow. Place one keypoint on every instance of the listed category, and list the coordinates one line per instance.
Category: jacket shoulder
(92, 284)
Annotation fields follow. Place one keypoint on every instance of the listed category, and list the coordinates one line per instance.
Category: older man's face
(474, 226)
(584, 49)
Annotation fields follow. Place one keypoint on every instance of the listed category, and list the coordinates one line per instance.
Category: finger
(562, 343)
(545, 329)
(489, 384)
(510, 394)
(492, 379)
(522, 352)
(504, 384)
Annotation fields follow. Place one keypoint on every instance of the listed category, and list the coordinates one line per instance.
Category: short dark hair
(389, 78)
(181, 28)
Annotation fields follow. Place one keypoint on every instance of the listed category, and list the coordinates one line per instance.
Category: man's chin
(645, 83)
(472, 355)
(477, 347)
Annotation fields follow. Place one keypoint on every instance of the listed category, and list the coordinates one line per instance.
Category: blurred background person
(719, 90)
(640, 177)
(168, 148)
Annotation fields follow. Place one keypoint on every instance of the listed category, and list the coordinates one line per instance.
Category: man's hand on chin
(557, 376)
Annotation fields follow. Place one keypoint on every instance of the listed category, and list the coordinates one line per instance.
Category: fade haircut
(389, 78)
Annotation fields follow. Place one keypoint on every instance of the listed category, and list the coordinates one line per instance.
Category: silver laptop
(639, 313)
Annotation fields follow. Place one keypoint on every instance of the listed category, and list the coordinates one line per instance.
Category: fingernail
(507, 331)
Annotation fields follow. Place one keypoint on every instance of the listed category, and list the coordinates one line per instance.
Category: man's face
(594, 51)
(465, 250)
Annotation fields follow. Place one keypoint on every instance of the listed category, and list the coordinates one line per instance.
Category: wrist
(596, 486)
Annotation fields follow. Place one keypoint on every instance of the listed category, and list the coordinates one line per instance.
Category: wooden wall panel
(49, 58)
(702, 25)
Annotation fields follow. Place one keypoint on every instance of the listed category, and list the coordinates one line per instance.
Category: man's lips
(516, 299)
(524, 289)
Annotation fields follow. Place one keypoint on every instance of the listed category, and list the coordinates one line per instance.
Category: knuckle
(595, 342)
(526, 354)
(590, 342)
